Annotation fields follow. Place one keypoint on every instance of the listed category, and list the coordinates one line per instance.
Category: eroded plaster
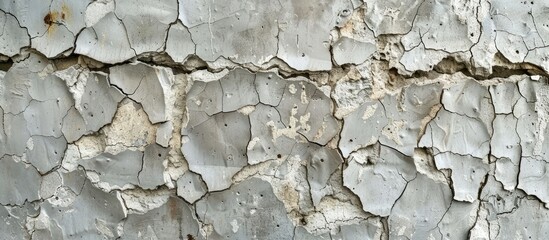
(289, 119)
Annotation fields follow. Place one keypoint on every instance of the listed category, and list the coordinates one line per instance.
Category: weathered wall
(289, 119)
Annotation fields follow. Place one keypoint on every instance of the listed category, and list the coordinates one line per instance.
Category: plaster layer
(289, 119)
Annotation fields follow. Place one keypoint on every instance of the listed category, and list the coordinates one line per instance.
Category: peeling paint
(199, 119)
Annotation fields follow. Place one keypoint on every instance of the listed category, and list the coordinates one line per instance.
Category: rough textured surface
(289, 119)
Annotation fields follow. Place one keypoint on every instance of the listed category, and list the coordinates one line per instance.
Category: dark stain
(173, 209)
(65, 12)
(49, 18)
(55, 16)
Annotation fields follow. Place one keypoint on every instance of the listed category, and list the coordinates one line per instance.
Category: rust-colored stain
(65, 12)
(49, 19)
(54, 17)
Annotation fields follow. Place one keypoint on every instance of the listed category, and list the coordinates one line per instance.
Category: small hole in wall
(322, 160)
(517, 51)
(159, 155)
(350, 140)
(302, 54)
(277, 225)
(279, 155)
(225, 124)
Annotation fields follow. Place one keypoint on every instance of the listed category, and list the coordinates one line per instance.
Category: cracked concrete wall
(289, 119)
